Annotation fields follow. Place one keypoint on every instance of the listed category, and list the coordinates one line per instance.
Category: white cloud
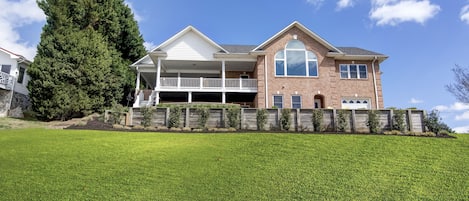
(463, 116)
(415, 101)
(393, 12)
(341, 4)
(457, 106)
(149, 45)
(14, 15)
(462, 129)
(137, 17)
(316, 3)
(465, 14)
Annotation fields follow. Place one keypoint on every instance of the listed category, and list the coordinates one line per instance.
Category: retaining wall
(300, 119)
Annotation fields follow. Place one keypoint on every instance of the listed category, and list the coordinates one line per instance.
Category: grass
(41, 164)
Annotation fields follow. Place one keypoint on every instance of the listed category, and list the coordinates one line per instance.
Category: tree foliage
(460, 88)
(82, 59)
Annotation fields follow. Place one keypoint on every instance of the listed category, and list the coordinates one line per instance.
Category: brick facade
(328, 84)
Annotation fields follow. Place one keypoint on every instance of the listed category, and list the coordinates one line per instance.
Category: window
(295, 102)
(6, 69)
(21, 75)
(295, 60)
(355, 103)
(353, 71)
(278, 101)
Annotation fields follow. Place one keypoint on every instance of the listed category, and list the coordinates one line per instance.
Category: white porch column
(137, 85)
(158, 74)
(157, 98)
(179, 80)
(189, 97)
(223, 74)
(223, 97)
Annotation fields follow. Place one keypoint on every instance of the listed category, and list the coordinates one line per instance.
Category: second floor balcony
(6, 81)
(208, 84)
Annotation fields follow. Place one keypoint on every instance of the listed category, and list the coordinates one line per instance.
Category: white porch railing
(6, 81)
(207, 83)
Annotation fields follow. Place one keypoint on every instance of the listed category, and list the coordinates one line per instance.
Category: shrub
(233, 117)
(147, 113)
(174, 115)
(116, 113)
(317, 119)
(204, 114)
(342, 120)
(373, 121)
(399, 120)
(261, 117)
(434, 124)
(285, 119)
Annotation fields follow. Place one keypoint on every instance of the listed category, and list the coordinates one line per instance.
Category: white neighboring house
(14, 97)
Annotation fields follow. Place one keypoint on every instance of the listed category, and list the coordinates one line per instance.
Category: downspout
(374, 82)
(266, 85)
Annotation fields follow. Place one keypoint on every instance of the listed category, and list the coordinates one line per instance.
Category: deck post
(223, 97)
(223, 75)
(189, 97)
(158, 74)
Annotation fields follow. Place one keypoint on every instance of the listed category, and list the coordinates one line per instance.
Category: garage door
(356, 104)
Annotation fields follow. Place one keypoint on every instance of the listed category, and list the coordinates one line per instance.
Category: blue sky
(424, 39)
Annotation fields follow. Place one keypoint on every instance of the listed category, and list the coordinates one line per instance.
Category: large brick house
(295, 68)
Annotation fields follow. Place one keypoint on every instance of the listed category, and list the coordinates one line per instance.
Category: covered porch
(195, 81)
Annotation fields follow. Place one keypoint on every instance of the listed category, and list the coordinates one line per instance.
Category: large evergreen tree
(82, 61)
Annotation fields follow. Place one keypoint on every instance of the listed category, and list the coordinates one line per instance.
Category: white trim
(273, 99)
(301, 102)
(285, 61)
(305, 30)
(358, 72)
(266, 83)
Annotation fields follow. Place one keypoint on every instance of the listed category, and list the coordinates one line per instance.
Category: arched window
(295, 60)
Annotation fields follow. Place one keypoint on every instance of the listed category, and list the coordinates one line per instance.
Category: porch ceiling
(193, 66)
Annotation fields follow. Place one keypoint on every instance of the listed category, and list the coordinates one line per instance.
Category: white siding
(190, 47)
(5, 59)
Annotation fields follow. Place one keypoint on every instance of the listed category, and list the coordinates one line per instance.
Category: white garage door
(356, 104)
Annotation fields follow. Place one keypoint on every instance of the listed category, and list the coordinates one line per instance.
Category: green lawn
(40, 164)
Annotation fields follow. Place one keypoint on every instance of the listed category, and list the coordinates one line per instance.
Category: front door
(317, 103)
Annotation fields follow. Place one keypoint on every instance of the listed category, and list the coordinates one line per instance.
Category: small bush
(399, 120)
(117, 110)
(317, 119)
(342, 120)
(434, 124)
(285, 119)
(204, 114)
(373, 121)
(174, 115)
(261, 117)
(233, 117)
(147, 113)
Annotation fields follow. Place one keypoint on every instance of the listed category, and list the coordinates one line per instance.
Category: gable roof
(302, 28)
(18, 57)
(182, 33)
